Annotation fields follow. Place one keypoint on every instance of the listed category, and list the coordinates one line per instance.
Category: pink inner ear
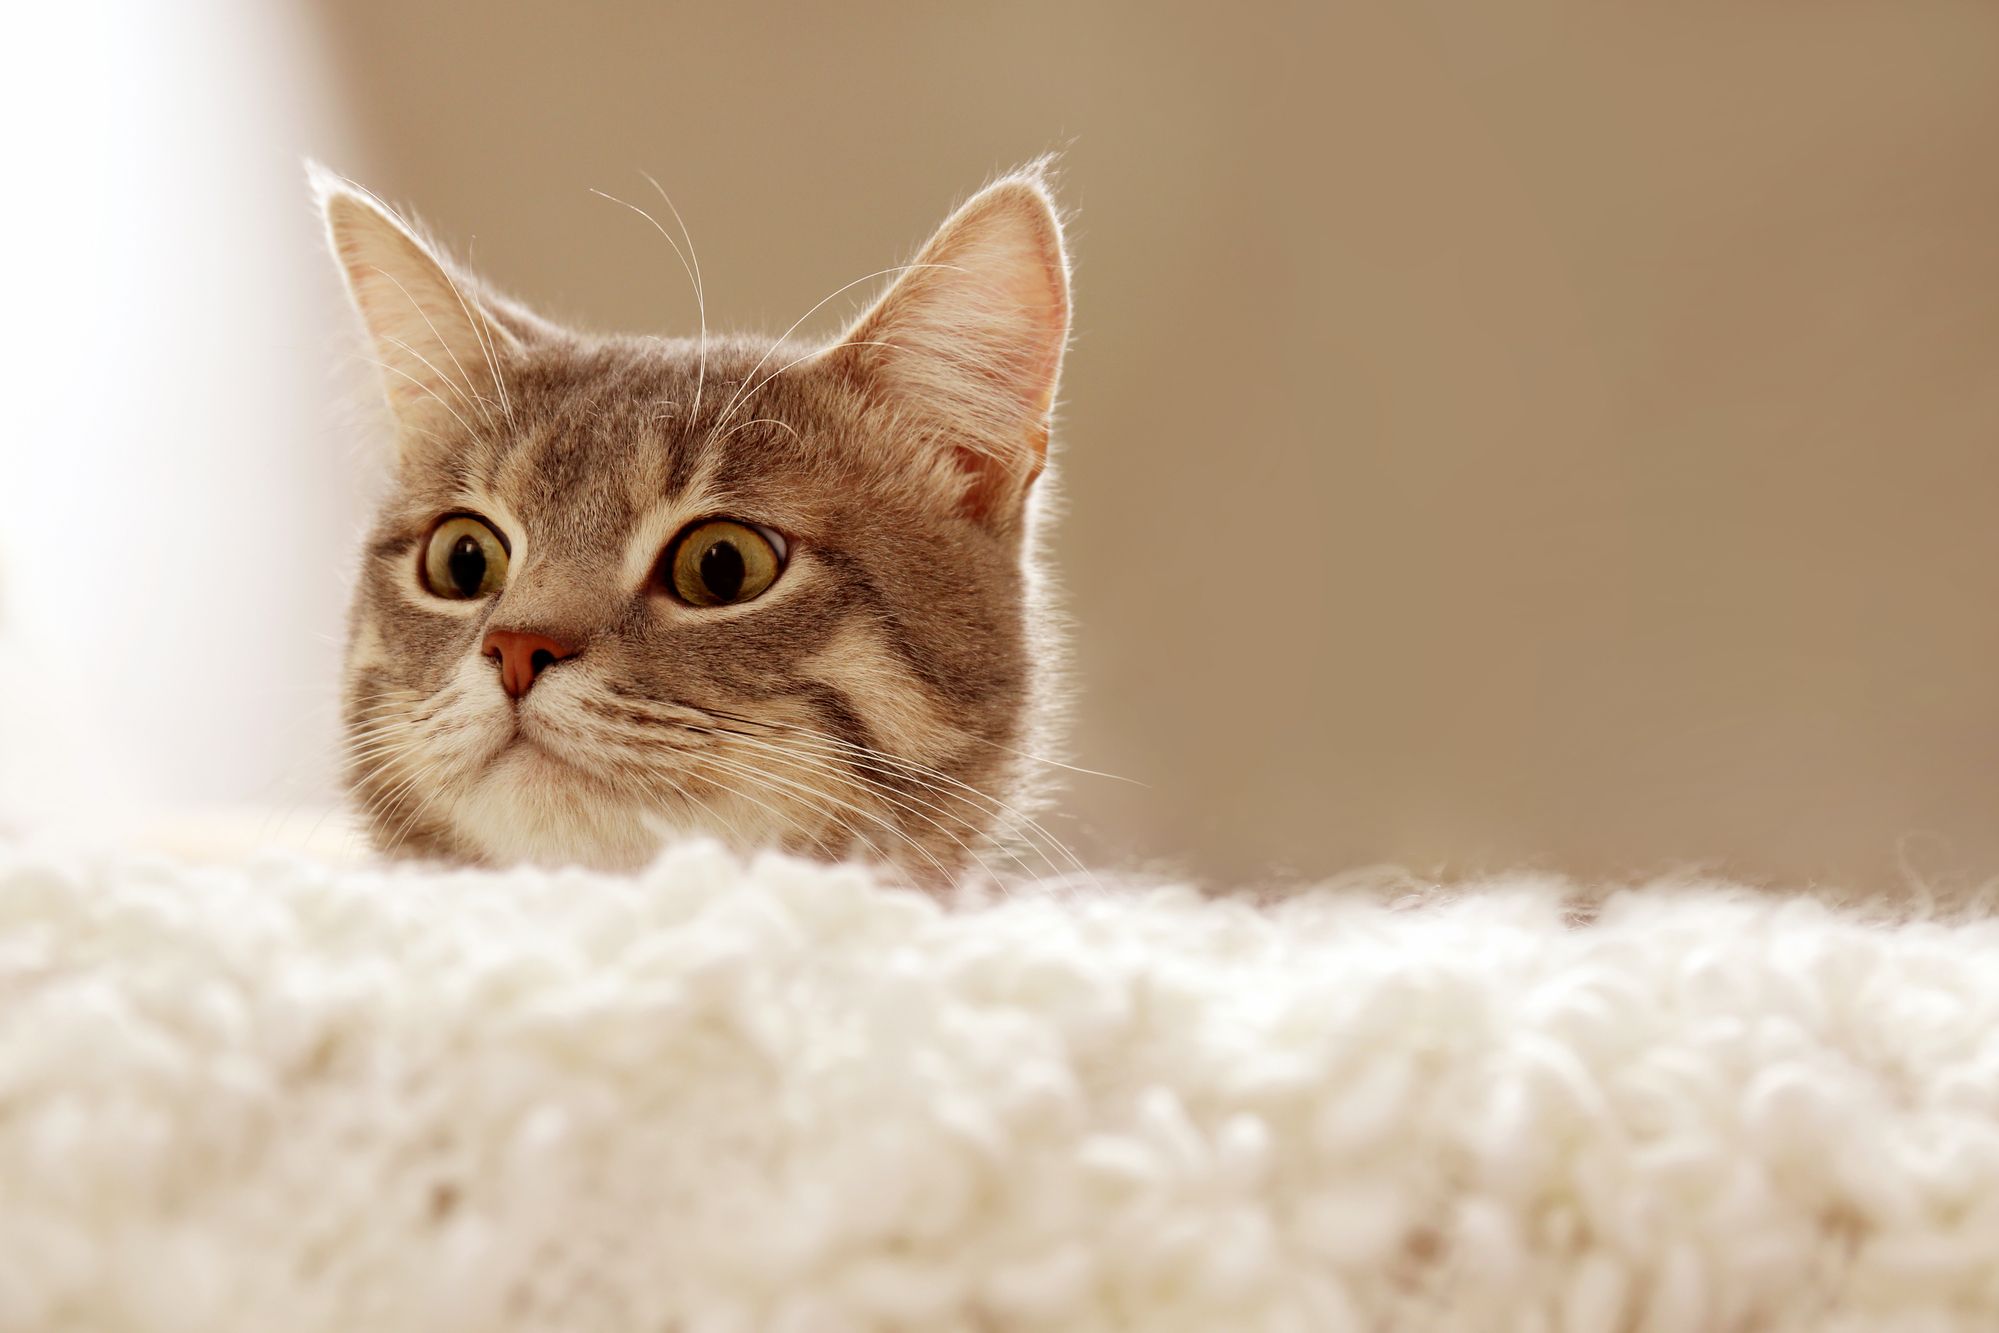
(991, 315)
(1035, 314)
(996, 484)
(970, 340)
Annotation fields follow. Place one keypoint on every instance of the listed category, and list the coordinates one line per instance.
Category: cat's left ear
(439, 348)
(966, 346)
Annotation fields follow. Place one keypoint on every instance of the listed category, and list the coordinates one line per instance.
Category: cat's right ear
(966, 346)
(441, 354)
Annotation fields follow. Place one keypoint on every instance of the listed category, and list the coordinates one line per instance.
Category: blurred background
(1532, 433)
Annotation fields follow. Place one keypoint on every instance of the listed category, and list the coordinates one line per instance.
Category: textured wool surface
(712, 1098)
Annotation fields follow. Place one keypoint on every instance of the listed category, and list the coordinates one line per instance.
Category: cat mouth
(532, 739)
(523, 741)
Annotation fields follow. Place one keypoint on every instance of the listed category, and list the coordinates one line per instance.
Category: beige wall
(1533, 431)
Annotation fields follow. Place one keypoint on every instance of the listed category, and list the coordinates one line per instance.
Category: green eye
(719, 561)
(465, 558)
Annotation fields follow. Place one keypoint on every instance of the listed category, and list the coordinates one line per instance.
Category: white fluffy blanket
(296, 1098)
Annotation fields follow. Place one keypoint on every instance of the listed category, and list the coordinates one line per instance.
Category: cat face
(623, 589)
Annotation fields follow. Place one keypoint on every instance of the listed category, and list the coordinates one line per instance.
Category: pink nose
(523, 657)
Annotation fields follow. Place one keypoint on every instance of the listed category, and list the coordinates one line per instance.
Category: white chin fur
(513, 803)
(529, 808)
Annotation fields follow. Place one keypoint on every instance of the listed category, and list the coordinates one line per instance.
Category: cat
(622, 590)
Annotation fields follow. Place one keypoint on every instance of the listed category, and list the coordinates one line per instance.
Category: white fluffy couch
(291, 1097)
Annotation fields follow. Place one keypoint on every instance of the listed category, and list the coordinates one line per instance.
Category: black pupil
(722, 571)
(467, 564)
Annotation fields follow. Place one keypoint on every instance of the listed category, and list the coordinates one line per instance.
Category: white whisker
(816, 352)
(824, 765)
(484, 334)
(840, 745)
(761, 421)
(690, 266)
(700, 291)
(812, 793)
(425, 389)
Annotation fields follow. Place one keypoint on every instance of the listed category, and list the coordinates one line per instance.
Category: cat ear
(966, 346)
(440, 350)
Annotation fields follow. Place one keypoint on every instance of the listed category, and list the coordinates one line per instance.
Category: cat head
(621, 589)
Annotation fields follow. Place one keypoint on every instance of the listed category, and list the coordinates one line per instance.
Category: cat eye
(719, 562)
(464, 558)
